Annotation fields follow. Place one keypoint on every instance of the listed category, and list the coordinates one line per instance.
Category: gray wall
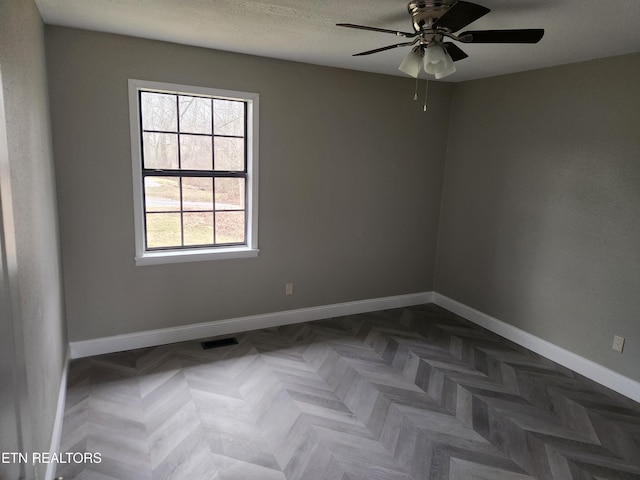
(12, 374)
(541, 205)
(350, 183)
(29, 223)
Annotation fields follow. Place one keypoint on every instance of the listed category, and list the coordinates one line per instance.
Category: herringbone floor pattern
(413, 393)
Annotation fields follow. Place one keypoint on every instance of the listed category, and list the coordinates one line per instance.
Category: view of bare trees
(189, 133)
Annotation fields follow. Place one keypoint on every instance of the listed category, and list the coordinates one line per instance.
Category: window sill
(183, 256)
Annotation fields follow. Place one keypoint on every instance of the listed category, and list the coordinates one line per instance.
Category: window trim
(144, 257)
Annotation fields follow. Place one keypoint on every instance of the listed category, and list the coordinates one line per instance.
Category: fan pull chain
(426, 92)
(415, 95)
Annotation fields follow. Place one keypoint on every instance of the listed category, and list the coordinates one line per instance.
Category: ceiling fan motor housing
(425, 13)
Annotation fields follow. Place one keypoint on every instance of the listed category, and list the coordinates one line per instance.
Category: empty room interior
(375, 287)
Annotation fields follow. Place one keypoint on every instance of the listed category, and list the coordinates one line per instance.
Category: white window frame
(145, 257)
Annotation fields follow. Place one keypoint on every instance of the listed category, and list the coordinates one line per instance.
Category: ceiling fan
(435, 20)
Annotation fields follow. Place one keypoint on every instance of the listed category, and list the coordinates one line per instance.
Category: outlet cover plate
(618, 343)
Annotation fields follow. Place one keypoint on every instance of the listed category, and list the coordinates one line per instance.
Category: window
(194, 154)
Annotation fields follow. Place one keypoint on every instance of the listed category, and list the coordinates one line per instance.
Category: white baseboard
(118, 343)
(56, 436)
(596, 372)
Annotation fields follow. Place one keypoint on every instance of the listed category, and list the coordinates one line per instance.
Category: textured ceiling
(305, 31)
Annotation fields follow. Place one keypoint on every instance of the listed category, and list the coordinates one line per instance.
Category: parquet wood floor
(412, 393)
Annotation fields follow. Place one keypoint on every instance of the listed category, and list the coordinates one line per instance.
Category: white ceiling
(305, 31)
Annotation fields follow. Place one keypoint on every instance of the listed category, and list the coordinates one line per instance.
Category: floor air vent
(222, 342)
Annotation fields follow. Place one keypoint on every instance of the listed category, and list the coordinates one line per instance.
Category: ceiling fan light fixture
(448, 69)
(412, 63)
(435, 58)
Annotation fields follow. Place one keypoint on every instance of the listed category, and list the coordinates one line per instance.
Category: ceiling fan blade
(460, 15)
(389, 47)
(531, 35)
(455, 52)
(375, 29)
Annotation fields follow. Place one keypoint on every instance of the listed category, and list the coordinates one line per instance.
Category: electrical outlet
(618, 343)
(288, 289)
